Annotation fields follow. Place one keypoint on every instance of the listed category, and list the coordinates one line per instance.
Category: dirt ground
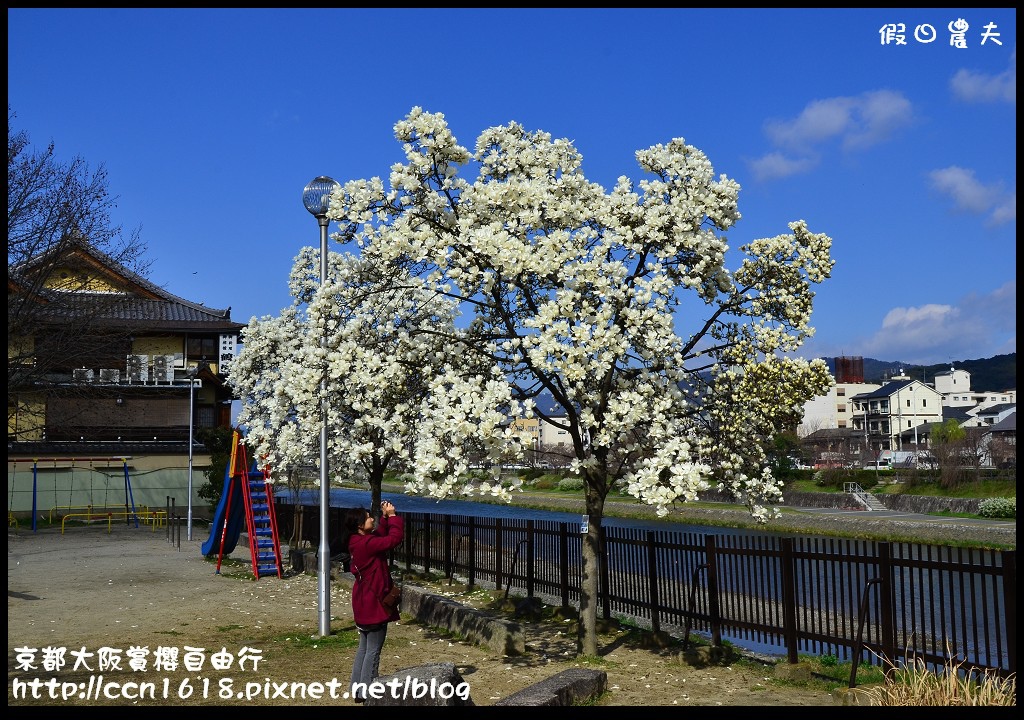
(136, 592)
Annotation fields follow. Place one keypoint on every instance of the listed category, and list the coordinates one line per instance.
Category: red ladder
(261, 521)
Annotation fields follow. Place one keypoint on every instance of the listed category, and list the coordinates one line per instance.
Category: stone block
(431, 685)
(568, 687)
(476, 626)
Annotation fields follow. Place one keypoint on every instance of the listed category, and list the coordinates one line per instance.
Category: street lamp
(191, 414)
(317, 198)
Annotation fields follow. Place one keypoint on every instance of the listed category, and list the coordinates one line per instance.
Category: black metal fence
(863, 601)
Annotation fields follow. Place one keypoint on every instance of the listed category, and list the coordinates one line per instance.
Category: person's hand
(387, 509)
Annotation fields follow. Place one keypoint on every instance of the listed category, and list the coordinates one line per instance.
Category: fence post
(652, 582)
(1009, 558)
(602, 561)
(447, 542)
(409, 532)
(886, 602)
(788, 561)
(498, 554)
(714, 610)
(563, 548)
(529, 557)
(472, 550)
(426, 543)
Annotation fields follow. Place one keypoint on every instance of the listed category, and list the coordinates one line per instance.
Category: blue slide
(235, 515)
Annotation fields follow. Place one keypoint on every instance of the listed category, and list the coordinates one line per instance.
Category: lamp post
(191, 414)
(317, 198)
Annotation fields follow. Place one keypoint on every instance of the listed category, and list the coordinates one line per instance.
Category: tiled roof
(887, 390)
(996, 409)
(143, 302)
(956, 412)
(170, 313)
(1007, 424)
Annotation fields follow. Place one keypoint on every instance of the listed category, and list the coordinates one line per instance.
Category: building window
(909, 425)
(205, 416)
(924, 402)
(908, 402)
(841, 392)
(202, 348)
(841, 408)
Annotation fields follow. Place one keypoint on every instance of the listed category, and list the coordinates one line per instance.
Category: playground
(93, 490)
(246, 503)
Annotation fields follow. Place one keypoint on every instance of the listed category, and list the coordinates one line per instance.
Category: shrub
(998, 508)
(832, 477)
(546, 482)
(570, 483)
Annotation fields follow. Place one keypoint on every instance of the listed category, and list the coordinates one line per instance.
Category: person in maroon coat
(368, 545)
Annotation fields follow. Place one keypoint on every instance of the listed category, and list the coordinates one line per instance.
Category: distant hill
(987, 374)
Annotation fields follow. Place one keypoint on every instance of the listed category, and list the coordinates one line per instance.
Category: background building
(110, 373)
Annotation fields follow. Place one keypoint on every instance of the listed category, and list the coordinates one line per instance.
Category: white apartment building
(885, 415)
(537, 434)
(834, 409)
(955, 388)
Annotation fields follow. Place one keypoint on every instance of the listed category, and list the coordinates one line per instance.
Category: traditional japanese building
(109, 376)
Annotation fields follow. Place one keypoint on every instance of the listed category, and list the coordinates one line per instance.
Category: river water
(347, 497)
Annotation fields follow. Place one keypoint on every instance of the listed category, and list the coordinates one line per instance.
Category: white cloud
(852, 122)
(1005, 211)
(976, 327)
(978, 87)
(776, 165)
(972, 196)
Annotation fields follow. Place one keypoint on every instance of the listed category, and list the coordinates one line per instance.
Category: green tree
(948, 433)
(218, 442)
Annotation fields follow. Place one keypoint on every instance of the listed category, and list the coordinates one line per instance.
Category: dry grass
(954, 685)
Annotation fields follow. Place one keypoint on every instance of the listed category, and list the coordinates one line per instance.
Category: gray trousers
(367, 662)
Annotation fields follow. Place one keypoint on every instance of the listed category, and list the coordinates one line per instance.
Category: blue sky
(211, 121)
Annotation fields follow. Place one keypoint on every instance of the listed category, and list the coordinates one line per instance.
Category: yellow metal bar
(157, 517)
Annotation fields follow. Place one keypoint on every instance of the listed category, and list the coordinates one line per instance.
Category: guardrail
(100, 511)
(157, 518)
(858, 492)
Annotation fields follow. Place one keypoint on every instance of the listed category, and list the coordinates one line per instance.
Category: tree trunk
(586, 641)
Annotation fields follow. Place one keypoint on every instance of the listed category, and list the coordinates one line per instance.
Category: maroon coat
(370, 566)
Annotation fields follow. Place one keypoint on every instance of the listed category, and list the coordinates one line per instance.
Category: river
(349, 497)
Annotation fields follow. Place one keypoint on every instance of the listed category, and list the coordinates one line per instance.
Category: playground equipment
(129, 511)
(247, 496)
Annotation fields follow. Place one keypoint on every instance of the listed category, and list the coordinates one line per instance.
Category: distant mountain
(990, 374)
(987, 374)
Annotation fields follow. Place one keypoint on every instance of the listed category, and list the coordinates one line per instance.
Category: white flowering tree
(668, 371)
(390, 347)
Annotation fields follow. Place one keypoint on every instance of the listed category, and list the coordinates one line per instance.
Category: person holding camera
(369, 543)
